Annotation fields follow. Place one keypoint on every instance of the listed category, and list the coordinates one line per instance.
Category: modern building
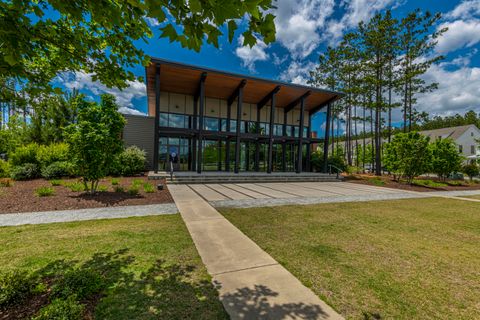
(211, 120)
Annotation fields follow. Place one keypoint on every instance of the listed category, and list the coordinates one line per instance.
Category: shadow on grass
(166, 291)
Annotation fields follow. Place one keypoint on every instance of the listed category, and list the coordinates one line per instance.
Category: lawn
(150, 264)
(473, 197)
(403, 259)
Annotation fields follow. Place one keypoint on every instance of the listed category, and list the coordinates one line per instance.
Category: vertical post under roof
(300, 136)
(309, 147)
(257, 143)
(200, 121)
(227, 142)
(237, 137)
(326, 140)
(270, 135)
(284, 144)
(157, 118)
(194, 138)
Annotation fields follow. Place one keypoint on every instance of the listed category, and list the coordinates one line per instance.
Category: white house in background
(465, 137)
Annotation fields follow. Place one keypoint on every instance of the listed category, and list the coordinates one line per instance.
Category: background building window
(460, 148)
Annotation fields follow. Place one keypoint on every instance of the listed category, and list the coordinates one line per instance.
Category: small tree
(445, 158)
(471, 170)
(95, 140)
(408, 155)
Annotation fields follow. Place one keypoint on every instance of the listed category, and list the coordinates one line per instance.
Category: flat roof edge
(239, 75)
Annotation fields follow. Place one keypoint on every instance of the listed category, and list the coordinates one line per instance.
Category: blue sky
(304, 29)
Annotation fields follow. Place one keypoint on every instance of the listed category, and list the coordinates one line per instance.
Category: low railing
(337, 169)
(171, 170)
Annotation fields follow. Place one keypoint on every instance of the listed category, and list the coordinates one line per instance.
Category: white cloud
(83, 81)
(298, 24)
(356, 11)
(152, 22)
(251, 55)
(465, 10)
(297, 72)
(279, 60)
(458, 90)
(127, 110)
(460, 34)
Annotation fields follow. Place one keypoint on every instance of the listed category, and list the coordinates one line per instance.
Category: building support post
(308, 167)
(270, 135)
(200, 121)
(300, 136)
(237, 137)
(227, 142)
(257, 143)
(284, 144)
(194, 138)
(157, 119)
(326, 140)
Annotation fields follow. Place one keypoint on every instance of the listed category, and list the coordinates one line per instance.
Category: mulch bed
(21, 196)
(390, 183)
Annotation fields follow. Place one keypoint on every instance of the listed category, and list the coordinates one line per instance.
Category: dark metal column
(284, 143)
(194, 138)
(237, 137)
(200, 121)
(257, 143)
(309, 147)
(227, 143)
(326, 139)
(300, 136)
(157, 118)
(270, 135)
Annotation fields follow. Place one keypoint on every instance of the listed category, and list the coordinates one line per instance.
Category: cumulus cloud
(465, 10)
(356, 11)
(298, 24)
(152, 22)
(298, 72)
(460, 34)
(83, 81)
(457, 93)
(251, 55)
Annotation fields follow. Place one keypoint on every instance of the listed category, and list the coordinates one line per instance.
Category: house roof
(184, 79)
(453, 132)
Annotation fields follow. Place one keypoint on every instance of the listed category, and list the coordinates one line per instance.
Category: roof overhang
(184, 79)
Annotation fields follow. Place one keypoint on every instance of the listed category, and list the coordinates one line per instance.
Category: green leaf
(249, 39)
(232, 26)
(195, 6)
(169, 32)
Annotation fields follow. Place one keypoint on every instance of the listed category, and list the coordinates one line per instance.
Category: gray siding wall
(140, 131)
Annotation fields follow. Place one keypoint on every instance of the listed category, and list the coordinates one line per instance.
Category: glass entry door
(173, 146)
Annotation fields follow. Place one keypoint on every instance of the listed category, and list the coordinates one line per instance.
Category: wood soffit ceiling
(185, 79)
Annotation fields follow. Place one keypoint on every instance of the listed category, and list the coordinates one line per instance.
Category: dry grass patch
(403, 259)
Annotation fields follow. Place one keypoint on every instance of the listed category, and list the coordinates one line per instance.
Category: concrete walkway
(16, 219)
(251, 283)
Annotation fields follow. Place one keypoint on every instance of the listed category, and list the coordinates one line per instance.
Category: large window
(210, 124)
(174, 120)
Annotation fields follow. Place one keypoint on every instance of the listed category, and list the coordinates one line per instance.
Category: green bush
(471, 170)
(24, 154)
(129, 162)
(148, 187)
(4, 169)
(75, 186)
(44, 191)
(102, 188)
(119, 189)
(61, 309)
(133, 190)
(24, 172)
(445, 158)
(81, 283)
(56, 182)
(429, 183)
(55, 152)
(57, 170)
(115, 181)
(14, 287)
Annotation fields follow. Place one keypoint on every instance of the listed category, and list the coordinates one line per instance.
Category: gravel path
(16, 219)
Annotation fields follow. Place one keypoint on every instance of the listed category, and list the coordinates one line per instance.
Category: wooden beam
(294, 103)
(267, 98)
(234, 94)
(326, 103)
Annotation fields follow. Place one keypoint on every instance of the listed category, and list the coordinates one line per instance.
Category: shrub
(133, 190)
(6, 182)
(24, 172)
(115, 181)
(14, 287)
(57, 170)
(102, 188)
(75, 186)
(4, 169)
(81, 283)
(44, 191)
(148, 187)
(445, 158)
(24, 154)
(471, 170)
(129, 162)
(55, 152)
(429, 183)
(56, 182)
(61, 309)
(119, 189)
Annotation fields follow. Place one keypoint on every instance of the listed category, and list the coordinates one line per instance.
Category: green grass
(472, 197)
(148, 187)
(150, 263)
(44, 191)
(75, 186)
(429, 183)
(377, 181)
(402, 259)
